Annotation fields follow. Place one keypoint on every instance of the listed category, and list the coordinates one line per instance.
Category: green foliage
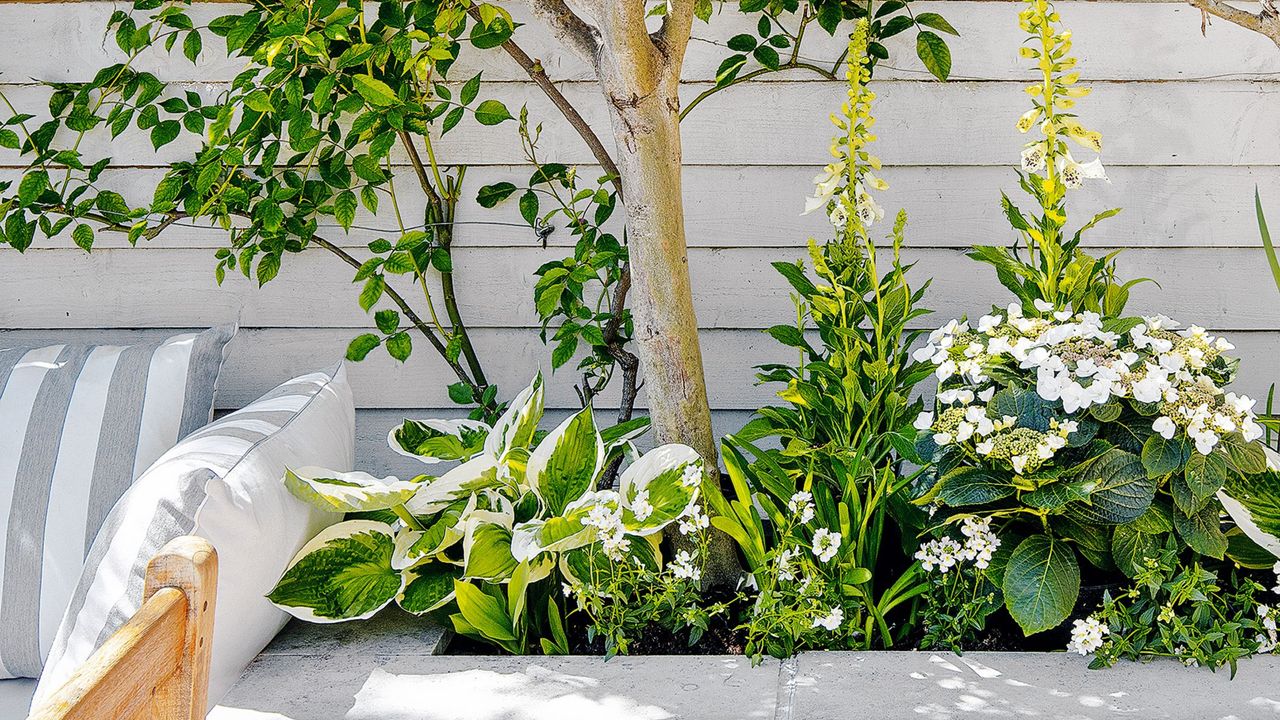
(1186, 611)
(496, 535)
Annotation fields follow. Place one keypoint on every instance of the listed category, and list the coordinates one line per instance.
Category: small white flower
(831, 621)
(825, 544)
(692, 476)
(1042, 305)
(683, 567)
(1165, 427)
(801, 505)
(924, 421)
(640, 507)
(694, 520)
(1087, 635)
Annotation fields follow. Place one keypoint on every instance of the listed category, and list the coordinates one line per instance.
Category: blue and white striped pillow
(223, 483)
(78, 423)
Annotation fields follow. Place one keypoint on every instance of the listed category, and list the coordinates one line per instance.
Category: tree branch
(572, 31)
(677, 26)
(627, 49)
(1266, 22)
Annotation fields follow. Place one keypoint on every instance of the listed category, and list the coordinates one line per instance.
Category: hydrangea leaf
(433, 441)
(1121, 492)
(974, 486)
(565, 464)
(1041, 583)
(1206, 474)
(345, 492)
(1131, 547)
(1161, 456)
(344, 573)
(1202, 531)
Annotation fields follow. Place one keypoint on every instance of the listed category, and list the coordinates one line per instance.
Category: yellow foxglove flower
(1087, 138)
(1028, 119)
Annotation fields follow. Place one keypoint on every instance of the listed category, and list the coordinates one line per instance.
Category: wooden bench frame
(156, 667)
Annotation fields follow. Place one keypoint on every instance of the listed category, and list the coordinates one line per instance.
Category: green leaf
(1161, 456)
(564, 465)
(660, 475)
(345, 492)
(1041, 583)
(360, 347)
(934, 53)
(529, 207)
(83, 236)
(344, 573)
(743, 43)
(1254, 504)
(400, 346)
(1121, 490)
(428, 586)
(366, 168)
(191, 45)
(492, 112)
(372, 292)
(344, 209)
(1248, 458)
(492, 35)
(490, 195)
(974, 486)
(460, 393)
(936, 21)
(164, 133)
(1027, 406)
(483, 612)
(1206, 474)
(1130, 548)
(516, 427)
(387, 321)
(374, 91)
(470, 90)
(31, 186)
(767, 56)
(9, 139)
(1267, 245)
(1202, 531)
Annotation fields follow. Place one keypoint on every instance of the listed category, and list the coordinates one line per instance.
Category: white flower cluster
(1078, 362)
(1276, 570)
(694, 520)
(684, 567)
(1267, 616)
(606, 517)
(825, 544)
(801, 506)
(945, 553)
(641, 507)
(692, 475)
(1087, 635)
(831, 621)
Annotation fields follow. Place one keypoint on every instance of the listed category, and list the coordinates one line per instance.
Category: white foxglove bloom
(825, 187)
(1033, 157)
(1074, 174)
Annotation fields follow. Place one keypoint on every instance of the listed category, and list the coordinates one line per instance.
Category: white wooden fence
(1191, 126)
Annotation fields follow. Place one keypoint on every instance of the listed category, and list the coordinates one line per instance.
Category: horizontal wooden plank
(261, 358)
(747, 206)
(1171, 47)
(1172, 123)
(734, 287)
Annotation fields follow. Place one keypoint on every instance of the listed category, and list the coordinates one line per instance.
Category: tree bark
(1266, 22)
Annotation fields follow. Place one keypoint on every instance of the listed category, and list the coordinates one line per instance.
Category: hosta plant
(811, 515)
(498, 534)
(1072, 432)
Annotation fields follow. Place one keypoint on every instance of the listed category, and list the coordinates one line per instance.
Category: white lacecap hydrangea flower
(825, 544)
(1087, 635)
(831, 621)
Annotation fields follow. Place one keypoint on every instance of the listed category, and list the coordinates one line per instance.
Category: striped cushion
(77, 424)
(225, 484)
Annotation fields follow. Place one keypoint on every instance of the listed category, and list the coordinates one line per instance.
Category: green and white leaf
(660, 473)
(517, 425)
(565, 464)
(346, 492)
(555, 534)
(1254, 506)
(477, 474)
(486, 547)
(428, 586)
(344, 573)
(433, 441)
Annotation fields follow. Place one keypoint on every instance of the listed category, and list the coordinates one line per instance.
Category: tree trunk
(646, 128)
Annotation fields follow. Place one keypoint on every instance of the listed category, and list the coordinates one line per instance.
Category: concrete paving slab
(1045, 686)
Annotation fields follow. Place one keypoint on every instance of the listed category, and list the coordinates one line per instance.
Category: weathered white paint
(1190, 122)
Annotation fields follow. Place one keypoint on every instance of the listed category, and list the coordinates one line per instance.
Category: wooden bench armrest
(156, 667)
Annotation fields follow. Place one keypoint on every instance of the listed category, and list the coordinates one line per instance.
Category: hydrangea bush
(1074, 431)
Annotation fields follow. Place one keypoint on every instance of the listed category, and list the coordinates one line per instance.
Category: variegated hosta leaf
(441, 532)
(344, 573)
(516, 426)
(577, 565)
(346, 492)
(622, 434)
(433, 441)
(486, 547)
(428, 586)
(1254, 505)
(555, 534)
(477, 474)
(660, 487)
(565, 464)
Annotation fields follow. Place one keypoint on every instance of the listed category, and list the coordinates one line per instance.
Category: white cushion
(224, 483)
(77, 424)
(15, 697)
